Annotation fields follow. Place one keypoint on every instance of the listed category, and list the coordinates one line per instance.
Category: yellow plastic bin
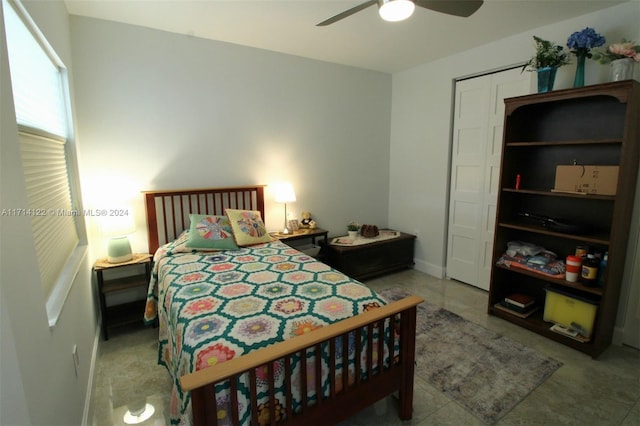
(564, 308)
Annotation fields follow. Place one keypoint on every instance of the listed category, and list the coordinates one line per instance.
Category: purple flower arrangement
(581, 42)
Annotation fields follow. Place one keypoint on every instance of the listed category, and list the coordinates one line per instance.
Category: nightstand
(126, 313)
(303, 234)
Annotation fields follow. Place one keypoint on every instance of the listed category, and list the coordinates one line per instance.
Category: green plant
(352, 226)
(548, 54)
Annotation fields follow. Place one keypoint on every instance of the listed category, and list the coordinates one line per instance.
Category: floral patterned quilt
(215, 306)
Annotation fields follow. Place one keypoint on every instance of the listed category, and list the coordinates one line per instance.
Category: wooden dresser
(373, 259)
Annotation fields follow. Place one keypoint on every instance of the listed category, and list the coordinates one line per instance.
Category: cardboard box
(601, 180)
(567, 309)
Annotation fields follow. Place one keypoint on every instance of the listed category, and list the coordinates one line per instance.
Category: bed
(262, 333)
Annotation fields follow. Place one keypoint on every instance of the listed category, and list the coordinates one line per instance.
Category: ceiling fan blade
(463, 8)
(347, 13)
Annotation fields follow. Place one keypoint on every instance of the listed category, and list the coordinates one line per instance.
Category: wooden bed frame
(168, 214)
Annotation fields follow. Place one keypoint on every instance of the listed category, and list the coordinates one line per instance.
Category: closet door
(475, 167)
(631, 286)
(630, 291)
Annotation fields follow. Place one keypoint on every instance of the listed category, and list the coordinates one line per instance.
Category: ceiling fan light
(395, 10)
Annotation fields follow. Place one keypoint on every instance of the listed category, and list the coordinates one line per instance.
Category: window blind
(52, 217)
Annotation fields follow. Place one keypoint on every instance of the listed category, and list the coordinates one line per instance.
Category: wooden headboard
(168, 211)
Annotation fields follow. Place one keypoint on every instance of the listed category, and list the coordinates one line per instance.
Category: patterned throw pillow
(210, 232)
(248, 227)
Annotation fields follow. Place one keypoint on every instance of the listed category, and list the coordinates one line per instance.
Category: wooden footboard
(381, 376)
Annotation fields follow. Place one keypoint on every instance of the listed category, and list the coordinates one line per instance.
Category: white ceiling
(362, 40)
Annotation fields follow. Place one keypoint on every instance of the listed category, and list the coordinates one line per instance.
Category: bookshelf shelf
(566, 142)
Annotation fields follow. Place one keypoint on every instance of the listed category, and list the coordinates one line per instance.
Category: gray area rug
(485, 372)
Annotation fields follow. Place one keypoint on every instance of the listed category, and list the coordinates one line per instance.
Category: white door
(475, 169)
(630, 292)
(631, 332)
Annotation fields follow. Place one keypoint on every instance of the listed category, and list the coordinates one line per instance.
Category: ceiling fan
(397, 10)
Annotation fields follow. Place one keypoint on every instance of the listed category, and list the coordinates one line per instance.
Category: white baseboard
(92, 376)
(428, 268)
(620, 338)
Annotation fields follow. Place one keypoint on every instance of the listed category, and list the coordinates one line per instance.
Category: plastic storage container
(573, 265)
(568, 309)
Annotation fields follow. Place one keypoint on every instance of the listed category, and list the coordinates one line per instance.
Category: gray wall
(160, 110)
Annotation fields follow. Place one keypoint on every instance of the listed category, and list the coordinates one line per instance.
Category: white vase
(353, 234)
(621, 69)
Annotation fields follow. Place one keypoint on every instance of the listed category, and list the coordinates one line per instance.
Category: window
(40, 93)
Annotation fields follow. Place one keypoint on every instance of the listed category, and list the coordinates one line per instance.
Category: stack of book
(518, 304)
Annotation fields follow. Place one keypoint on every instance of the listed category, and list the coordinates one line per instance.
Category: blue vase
(578, 81)
(546, 79)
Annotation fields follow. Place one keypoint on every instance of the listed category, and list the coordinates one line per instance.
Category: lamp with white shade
(116, 228)
(285, 194)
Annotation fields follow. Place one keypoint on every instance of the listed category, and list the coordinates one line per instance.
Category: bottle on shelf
(589, 274)
(581, 251)
(602, 269)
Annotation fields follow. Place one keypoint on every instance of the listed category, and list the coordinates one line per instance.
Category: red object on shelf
(517, 181)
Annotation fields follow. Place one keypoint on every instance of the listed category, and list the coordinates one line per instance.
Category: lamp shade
(116, 228)
(285, 193)
(395, 10)
(119, 226)
(119, 250)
